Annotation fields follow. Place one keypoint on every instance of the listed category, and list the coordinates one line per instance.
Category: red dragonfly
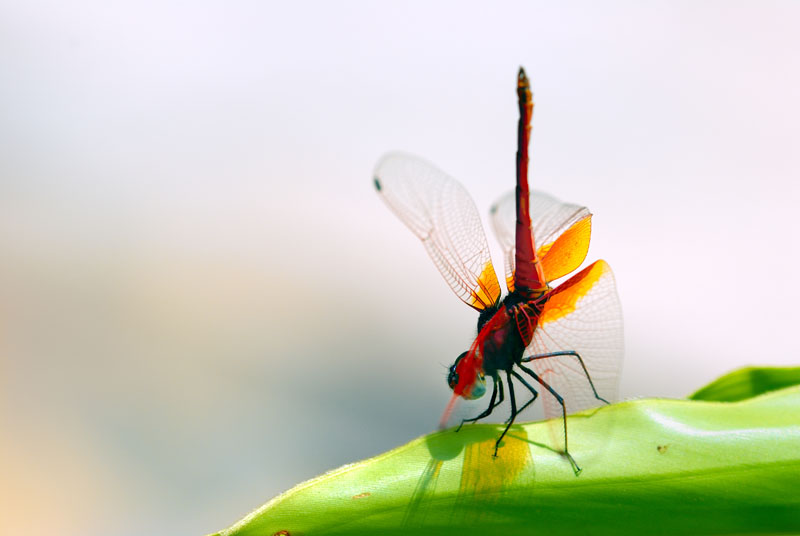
(569, 335)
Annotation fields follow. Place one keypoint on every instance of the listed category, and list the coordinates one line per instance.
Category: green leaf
(652, 466)
(748, 382)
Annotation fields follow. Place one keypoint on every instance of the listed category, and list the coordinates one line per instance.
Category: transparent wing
(583, 315)
(442, 214)
(550, 218)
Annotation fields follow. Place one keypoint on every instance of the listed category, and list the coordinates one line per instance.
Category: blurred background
(203, 301)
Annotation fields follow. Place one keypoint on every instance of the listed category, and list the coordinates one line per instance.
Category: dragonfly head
(465, 380)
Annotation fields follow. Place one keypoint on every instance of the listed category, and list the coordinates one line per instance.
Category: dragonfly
(564, 340)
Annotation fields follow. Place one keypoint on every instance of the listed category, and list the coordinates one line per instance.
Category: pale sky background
(202, 300)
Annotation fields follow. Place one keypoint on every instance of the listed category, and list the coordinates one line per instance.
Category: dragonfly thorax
(503, 337)
(486, 314)
(512, 299)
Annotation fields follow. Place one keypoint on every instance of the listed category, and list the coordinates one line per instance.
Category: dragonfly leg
(502, 394)
(513, 413)
(531, 389)
(492, 403)
(580, 360)
(560, 399)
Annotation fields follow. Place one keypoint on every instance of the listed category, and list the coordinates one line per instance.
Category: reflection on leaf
(481, 474)
(488, 479)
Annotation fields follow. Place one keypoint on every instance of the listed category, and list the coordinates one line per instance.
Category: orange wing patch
(568, 251)
(488, 291)
(564, 299)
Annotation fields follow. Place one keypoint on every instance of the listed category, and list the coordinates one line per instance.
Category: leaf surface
(654, 466)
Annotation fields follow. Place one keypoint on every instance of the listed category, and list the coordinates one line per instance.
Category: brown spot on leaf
(282, 533)
(662, 448)
(361, 495)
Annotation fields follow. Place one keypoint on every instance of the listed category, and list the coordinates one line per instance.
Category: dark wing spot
(377, 184)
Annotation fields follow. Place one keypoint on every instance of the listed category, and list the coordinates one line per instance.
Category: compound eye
(452, 376)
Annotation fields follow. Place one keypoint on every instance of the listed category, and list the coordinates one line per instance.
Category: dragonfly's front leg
(497, 382)
(513, 413)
